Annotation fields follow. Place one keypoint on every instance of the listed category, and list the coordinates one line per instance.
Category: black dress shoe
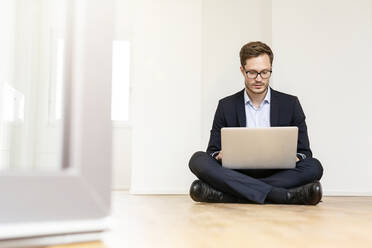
(203, 192)
(309, 194)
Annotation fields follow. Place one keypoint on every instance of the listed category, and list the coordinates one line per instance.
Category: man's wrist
(300, 156)
(214, 154)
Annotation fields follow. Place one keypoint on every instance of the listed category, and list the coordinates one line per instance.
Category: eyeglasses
(254, 74)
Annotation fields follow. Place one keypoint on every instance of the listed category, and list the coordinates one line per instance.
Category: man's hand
(297, 159)
(219, 156)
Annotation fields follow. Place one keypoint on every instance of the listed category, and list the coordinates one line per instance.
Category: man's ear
(242, 70)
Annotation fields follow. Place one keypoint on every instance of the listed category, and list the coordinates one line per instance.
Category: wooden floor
(177, 221)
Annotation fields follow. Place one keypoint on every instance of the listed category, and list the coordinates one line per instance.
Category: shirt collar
(266, 99)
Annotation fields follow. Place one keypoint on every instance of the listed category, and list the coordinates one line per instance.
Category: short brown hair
(255, 49)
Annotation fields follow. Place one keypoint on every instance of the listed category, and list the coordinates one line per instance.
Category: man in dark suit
(257, 105)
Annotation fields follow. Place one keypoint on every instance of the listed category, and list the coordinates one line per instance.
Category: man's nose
(259, 78)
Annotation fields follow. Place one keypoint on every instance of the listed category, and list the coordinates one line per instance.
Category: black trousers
(253, 184)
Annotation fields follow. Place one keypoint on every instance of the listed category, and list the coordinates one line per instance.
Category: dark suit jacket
(285, 110)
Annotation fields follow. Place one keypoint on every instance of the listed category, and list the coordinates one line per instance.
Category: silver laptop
(259, 148)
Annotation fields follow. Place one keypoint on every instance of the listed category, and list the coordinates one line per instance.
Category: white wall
(166, 83)
(323, 55)
(185, 56)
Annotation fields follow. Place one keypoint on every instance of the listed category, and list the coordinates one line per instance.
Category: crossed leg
(253, 185)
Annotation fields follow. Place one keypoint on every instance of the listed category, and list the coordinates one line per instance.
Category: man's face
(261, 64)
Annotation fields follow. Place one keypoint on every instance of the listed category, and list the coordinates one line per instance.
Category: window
(120, 80)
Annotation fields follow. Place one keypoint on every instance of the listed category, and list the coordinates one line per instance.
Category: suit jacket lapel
(274, 109)
(240, 109)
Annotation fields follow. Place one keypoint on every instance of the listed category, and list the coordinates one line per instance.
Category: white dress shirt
(257, 117)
